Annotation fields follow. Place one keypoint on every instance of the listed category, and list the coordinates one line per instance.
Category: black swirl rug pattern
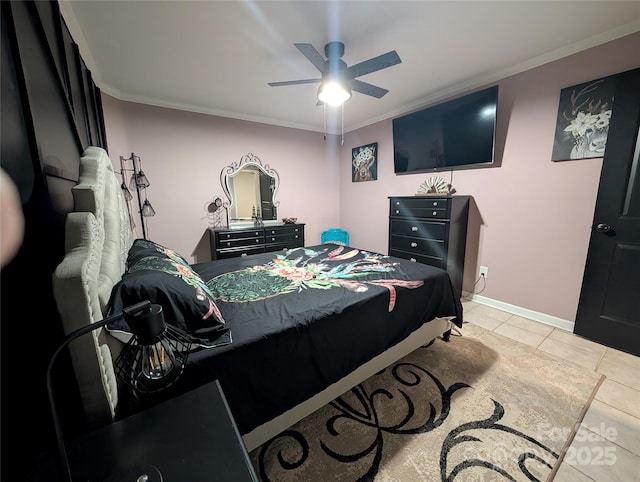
(479, 408)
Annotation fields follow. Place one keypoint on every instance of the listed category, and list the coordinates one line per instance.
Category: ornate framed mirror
(250, 188)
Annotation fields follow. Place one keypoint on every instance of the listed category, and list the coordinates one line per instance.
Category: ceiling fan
(336, 73)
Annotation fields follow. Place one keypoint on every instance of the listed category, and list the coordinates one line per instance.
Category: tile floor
(607, 445)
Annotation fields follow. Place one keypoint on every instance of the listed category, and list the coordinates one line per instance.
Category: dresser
(430, 230)
(230, 243)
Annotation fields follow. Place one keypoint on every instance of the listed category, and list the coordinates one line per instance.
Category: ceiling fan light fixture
(333, 93)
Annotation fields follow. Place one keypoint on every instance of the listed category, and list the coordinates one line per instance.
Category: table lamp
(153, 359)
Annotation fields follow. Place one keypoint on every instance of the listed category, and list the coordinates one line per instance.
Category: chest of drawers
(229, 243)
(430, 230)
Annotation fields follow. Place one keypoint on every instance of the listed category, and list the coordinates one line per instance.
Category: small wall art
(364, 163)
(583, 120)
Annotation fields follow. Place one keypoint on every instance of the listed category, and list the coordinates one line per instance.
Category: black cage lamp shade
(155, 355)
(153, 359)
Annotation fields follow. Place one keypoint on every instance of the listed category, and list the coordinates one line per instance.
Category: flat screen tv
(456, 134)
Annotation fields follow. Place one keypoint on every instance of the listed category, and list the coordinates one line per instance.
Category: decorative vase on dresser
(230, 243)
(430, 230)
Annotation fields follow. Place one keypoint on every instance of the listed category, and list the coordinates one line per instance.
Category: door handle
(603, 228)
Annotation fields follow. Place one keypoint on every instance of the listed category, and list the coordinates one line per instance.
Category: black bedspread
(303, 319)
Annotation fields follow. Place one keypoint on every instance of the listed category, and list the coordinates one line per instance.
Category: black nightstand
(192, 437)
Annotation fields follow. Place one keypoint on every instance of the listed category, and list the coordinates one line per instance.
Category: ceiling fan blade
(372, 65)
(367, 89)
(310, 52)
(294, 82)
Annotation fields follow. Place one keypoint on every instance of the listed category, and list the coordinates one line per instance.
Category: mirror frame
(228, 172)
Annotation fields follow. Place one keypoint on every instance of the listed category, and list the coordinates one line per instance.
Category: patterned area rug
(481, 407)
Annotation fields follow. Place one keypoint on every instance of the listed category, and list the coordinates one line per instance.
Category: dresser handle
(397, 211)
(273, 232)
(243, 254)
(414, 245)
(413, 260)
(435, 213)
(257, 240)
(435, 203)
(297, 236)
(414, 228)
(273, 239)
(397, 203)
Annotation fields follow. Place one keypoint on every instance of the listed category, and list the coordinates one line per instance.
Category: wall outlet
(484, 272)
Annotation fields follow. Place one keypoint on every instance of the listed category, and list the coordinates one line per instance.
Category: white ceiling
(217, 57)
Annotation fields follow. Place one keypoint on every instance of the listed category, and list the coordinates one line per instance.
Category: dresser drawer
(287, 229)
(436, 208)
(417, 258)
(242, 251)
(419, 229)
(419, 246)
(283, 238)
(237, 233)
(237, 238)
(239, 242)
(229, 243)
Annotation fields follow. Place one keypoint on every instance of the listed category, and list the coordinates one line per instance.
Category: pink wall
(530, 220)
(183, 154)
(531, 224)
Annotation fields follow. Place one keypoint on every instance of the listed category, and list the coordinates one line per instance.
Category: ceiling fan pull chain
(342, 108)
(324, 115)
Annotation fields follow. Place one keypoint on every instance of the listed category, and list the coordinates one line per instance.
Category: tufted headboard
(97, 239)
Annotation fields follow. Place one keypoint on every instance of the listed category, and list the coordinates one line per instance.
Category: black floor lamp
(152, 360)
(139, 183)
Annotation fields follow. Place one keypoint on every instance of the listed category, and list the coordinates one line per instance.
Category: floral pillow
(162, 276)
(143, 248)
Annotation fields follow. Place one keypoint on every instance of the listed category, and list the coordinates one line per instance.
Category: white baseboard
(524, 312)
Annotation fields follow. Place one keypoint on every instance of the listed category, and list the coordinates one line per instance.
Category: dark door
(609, 307)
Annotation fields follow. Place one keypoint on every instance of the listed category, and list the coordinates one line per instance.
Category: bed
(284, 333)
